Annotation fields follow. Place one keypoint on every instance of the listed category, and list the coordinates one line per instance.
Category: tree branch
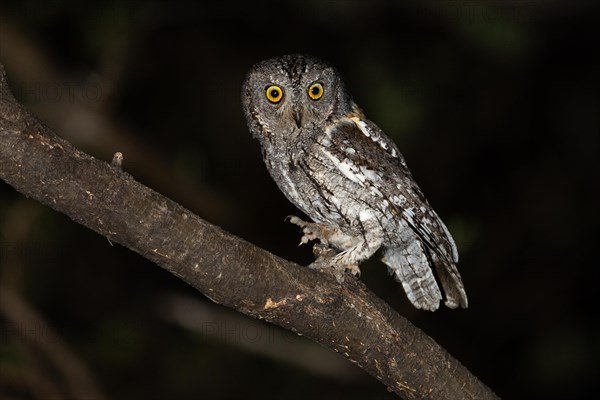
(347, 318)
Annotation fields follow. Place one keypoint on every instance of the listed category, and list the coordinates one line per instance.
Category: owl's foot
(312, 231)
(331, 238)
(328, 235)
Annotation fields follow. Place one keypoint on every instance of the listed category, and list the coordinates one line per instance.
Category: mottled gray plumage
(343, 172)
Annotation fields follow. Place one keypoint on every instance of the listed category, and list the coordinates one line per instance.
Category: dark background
(494, 105)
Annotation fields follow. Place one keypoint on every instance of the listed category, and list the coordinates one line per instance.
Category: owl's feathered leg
(350, 258)
(354, 249)
(411, 268)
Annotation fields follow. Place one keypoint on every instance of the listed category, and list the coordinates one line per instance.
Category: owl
(349, 178)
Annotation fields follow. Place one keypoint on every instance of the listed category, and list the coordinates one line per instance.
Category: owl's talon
(296, 221)
(303, 240)
(311, 230)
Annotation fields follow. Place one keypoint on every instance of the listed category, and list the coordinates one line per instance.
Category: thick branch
(347, 318)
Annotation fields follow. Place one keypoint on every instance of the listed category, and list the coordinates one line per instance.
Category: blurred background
(494, 105)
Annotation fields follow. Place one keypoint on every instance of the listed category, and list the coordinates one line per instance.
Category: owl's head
(283, 95)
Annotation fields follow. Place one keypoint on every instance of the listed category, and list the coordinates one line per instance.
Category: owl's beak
(297, 114)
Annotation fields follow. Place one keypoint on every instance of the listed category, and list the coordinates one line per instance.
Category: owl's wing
(365, 147)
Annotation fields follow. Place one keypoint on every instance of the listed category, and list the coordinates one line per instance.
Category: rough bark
(346, 317)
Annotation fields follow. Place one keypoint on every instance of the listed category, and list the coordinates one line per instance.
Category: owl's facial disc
(285, 95)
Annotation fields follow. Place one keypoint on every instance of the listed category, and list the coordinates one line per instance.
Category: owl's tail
(454, 289)
(412, 267)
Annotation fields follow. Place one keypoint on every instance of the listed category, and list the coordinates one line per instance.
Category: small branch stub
(117, 160)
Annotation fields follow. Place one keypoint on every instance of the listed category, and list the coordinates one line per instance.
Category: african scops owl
(342, 171)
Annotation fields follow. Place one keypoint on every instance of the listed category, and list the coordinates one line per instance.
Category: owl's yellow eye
(274, 94)
(315, 91)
